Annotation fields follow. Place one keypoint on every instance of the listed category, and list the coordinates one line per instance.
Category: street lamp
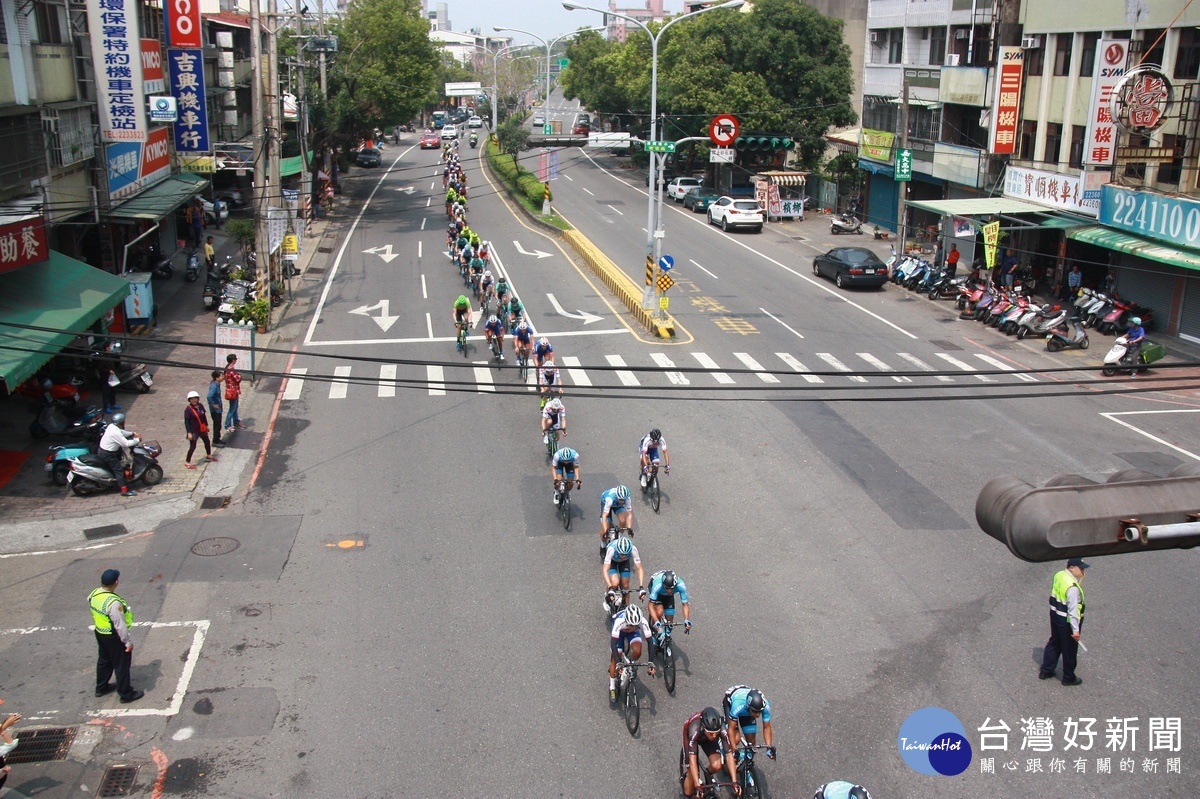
(549, 46)
(654, 235)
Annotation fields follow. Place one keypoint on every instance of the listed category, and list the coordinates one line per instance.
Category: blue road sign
(665, 263)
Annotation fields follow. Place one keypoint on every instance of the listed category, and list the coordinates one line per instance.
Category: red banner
(152, 67)
(156, 154)
(1006, 110)
(183, 23)
(23, 243)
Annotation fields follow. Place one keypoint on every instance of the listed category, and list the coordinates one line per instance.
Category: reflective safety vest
(99, 601)
(1063, 580)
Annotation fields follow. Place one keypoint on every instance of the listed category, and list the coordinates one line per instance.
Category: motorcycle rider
(1135, 336)
(115, 449)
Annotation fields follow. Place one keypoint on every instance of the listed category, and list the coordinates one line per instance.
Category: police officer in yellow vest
(1066, 622)
(112, 618)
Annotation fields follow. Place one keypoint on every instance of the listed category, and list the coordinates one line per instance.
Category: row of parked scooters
(225, 293)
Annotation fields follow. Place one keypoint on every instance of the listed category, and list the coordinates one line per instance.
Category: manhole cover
(36, 746)
(221, 545)
(117, 781)
(212, 503)
(105, 531)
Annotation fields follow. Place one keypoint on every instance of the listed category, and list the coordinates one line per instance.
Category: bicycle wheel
(752, 783)
(633, 712)
(668, 658)
(652, 488)
(565, 505)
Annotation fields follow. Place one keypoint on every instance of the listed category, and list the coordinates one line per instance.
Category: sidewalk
(36, 514)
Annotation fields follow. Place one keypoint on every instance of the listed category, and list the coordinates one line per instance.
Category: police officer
(113, 617)
(1066, 621)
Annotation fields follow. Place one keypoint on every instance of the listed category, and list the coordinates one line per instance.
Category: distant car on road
(210, 216)
(368, 156)
(581, 129)
(450, 132)
(539, 118)
(851, 266)
(699, 198)
(681, 186)
(429, 140)
(732, 213)
(475, 122)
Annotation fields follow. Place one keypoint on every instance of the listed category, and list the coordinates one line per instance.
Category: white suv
(681, 186)
(449, 132)
(729, 212)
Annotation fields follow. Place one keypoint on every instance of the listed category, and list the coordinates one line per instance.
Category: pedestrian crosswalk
(697, 370)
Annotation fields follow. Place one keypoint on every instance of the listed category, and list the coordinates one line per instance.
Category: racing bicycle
(665, 650)
(627, 684)
(564, 500)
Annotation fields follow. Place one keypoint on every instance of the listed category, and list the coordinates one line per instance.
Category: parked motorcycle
(212, 292)
(845, 223)
(58, 458)
(1067, 336)
(1042, 321)
(150, 259)
(90, 475)
(193, 267)
(107, 356)
(54, 422)
(1119, 359)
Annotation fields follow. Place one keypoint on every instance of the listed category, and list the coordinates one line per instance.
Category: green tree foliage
(513, 137)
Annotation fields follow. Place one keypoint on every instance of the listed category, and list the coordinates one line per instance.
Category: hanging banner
(187, 86)
(991, 237)
(1100, 142)
(182, 22)
(132, 166)
(876, 145)
(153, 81)
(117, 61)
(1007, 105)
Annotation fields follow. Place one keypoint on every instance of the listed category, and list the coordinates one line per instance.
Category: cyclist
(654, 448)
(451, 238)
(521, 338)
(515, 311)
(615, 500)
(460, 244)
(555, 413)
(492, 329)
(487, 283)
(565, 465)
(704, 732)
(462, 314)
(476, 272)
(743, 706)
(664, 585)
(840, 789)
(476, 242)
(485, 252)
(618, 556)
(543, 350)
(549, 380)
(629, 630)
(501, 292)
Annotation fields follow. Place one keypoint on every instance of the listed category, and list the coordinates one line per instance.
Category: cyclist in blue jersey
(743, 707)
(615, 500)
(493, 329)
(664, 585)
(523, 336)
(619, 556)
(565, 466)
(543, 350)
(629, 630)
(654, 450)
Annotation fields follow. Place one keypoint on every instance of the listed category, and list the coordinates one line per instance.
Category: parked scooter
(1119, 359)
(193, 267)
(1067, 336)
(58, 458)
(212, 292)
(90, 475)
(150, 259)
(136, 377)
(53, 422)
(845, 223)
(1044, 320)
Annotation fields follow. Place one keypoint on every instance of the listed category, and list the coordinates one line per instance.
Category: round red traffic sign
(723, 129)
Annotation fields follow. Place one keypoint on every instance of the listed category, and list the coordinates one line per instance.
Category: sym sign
(1100, 140)
(183, 23)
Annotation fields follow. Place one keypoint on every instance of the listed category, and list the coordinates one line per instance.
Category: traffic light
(764, 142)
(1072, 516)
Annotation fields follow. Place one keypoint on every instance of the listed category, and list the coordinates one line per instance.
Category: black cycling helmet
(755, 701)
(655, 434)
(710, 719)
(668, 579)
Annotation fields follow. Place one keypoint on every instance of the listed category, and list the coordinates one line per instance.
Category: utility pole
(259, 111)
(902, 187)
(302, 106)
(274, 130)
(321, 55)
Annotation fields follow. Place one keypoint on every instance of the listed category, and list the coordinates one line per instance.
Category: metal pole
(902, 188)
(258, 112)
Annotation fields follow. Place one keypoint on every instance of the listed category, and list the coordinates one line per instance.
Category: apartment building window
(895, 45)
(1075, 158)
(1187, 57)
(24, 151)
(1062, 53)
(1169, 173)
(879, 115)
(49, 23)
(1054, 131)
(937, 46)
(1035, 61)
(1088, 65)
(1028, 138)
(1149, 37)
(923, 123)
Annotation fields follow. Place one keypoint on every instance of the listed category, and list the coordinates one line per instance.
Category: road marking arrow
(584, 315)
(384, 319)
(406, 189)
(538, 253)
(384, 252)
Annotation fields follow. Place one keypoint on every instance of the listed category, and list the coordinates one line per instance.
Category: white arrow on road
(406, 189)
(384, 319)
(538, 253)
(587, 318)
(384, 252)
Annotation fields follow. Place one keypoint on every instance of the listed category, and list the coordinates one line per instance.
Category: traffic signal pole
(659, 230)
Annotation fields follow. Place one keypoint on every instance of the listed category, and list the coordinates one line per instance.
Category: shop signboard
(133, 165)
(183, 23)
(903, 165)
(1064, 192)
(23, 243)
(1172, 220)
(186, 68)
(793, 207)
(153, 81)
(876, 145)
(117, 61)
(1007, 105)
(231, 338)
(1100, 140)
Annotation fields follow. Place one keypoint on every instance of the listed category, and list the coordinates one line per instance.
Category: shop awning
(848, 138)
(160, 199)
(979, 206)
(784, 178)
(61, 293)
(1135, 245)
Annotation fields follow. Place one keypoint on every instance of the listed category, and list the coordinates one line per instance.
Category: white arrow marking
(384, 320)
(584, 315)
(384, 252)
(407, 189)
(538, 253)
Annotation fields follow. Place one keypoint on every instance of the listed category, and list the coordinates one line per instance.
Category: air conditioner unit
(962, 33)
(1031, 42)
(952, 59)
(877, 37)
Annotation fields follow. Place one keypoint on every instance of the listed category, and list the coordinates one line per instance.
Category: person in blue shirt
(619, 557)
(743, 707)
(215, 408)
(664, 585)
(615, 501)
(565, 466)
(1135, 336)
(542, 350)
(522, 336)
(494, 329)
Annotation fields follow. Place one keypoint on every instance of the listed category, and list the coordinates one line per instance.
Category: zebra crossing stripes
(883, 367)
(1001, 365)
(966, 367)
(662, 360)
(387, 380)
(437, 377)
(708, 363)
(577, 375)
(798, 367)
(627, 378)
(295, 383)
(841, 367)
(340, 383)
(924, 367)
(483, 377)
(762, 373)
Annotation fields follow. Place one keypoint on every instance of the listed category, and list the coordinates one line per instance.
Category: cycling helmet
(668, 579)
(462, 302)
(493, 320)
(755, 701)
(655, 434)
(555, 404)
(622, 493)
(567, 455)
(487, 273)
(633, 616)
(543, 342)
(117, 418)
(623, 546)
(840, 789)
(1135, 320)
(710, 719)
(523, 326)
(195, 394)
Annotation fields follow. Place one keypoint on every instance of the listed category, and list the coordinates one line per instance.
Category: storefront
(149, 217)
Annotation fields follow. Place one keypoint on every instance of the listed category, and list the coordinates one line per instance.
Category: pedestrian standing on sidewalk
(195, 423)
(210, 254)
(233, 393)
(215, 407)
(218, 207)
(7, 744)
(112, 618)
(1066, 622)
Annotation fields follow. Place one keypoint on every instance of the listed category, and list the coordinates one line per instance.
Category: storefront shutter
(1189, 319)
(1148, 289)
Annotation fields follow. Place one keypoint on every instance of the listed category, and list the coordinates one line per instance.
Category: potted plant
(258, 312)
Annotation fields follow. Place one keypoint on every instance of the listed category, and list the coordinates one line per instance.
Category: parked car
(581, 129)
(368, 156)
(681, 186)
(851, 266)
(210, 216)
(698, 199)
(733, 213)
(429, 140)
(539, 118)
(584, 119)
(450, 132)
(475, 122)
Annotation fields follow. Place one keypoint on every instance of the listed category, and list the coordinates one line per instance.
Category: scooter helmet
(1136, 320)
(622, 493)
(195, 394)
(710, 719)
(117, 418)
(755, 701)
(633, 616)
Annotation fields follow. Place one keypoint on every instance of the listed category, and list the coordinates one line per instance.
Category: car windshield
(859, 256)
(746, 205)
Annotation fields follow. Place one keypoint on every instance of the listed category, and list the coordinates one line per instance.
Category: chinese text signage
(1065, 192)
(1174, 220)
(1007, 107)
(23, 243)
(903, 165)
(132, 166)
(876, 145)
(1141, 100)
(117, 60)
(186, 69)
(1099, 143)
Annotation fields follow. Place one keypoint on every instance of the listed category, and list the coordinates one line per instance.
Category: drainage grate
(323, 249)
(316, 270)
(36, 746)
(117, 781)
(212, 503)
(946, 345)
(221, 545)
(105, 531)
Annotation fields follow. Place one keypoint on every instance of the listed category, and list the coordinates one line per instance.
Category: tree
(513, 137)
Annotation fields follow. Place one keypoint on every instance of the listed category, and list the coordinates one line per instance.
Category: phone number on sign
(125, 135)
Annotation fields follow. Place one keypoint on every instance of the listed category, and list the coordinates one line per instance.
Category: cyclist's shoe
(643, 480)
(502, 356)
(612, 696)
(546, 438)
(555, 500)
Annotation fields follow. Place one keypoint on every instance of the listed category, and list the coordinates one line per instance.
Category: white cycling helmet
(623, 546)
(543, 342)
(493, 320)
(523, 326)
(633, 616)
(195, 394)
(487, 273)
(555, 404)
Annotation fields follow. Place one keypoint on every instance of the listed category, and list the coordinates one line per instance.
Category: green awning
(61, 293)
(160, 199)
(981, 206)
(293, 165)
(1135, 245)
